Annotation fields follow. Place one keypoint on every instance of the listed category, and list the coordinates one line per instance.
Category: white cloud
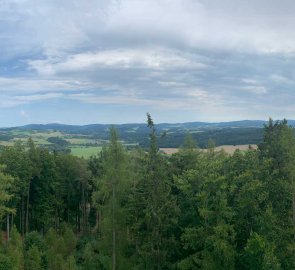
(21, 85)
(249, 81)
(59, 28)
(156, 58)
(255, 26)
(255, 89)
(8, 101)
(24, 114)
(281, 79)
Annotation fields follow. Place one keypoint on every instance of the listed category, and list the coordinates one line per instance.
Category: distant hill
(161, 126)
(170, 134)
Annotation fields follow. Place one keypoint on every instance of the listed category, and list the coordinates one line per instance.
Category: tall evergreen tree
(154, 211)
(110, 195)
(278, 153)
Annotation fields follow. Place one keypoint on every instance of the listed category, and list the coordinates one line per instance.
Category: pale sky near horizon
(111, 61)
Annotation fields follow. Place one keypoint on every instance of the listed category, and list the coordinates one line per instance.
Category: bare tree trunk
(23, 217)
(294, 212)
(79, 220)
(27, 210)
(99, 221)
(7, 227)
(114, 227)
(95, 229)
(83, 206)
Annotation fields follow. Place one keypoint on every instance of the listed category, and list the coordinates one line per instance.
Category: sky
(112, 61)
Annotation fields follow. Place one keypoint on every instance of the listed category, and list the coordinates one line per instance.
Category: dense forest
(141, 209)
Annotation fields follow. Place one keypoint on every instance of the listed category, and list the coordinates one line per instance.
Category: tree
(6, 183)
(277, 153)
(109, 196)
(18, 165)
(15, 250)
(153, 211)
(210, 238)
(33, 259)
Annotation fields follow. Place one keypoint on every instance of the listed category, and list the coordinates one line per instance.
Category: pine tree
(109, 197)
(154, 211)
(277, 153)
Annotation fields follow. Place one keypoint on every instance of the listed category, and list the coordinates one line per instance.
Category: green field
(80, 146)
(85, 152)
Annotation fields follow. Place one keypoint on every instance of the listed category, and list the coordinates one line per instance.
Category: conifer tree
(154, 211)
(109, 197)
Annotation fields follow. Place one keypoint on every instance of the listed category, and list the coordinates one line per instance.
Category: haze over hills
(85, 140)
(170, 135)
(160, 126)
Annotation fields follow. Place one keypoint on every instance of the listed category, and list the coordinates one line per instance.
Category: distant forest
(141, 209)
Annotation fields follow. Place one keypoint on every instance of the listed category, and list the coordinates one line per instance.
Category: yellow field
(230, 149)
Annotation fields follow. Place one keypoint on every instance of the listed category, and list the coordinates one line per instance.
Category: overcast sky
(111, 61)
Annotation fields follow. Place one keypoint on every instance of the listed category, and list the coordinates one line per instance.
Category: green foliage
(34, 239)
(6, 186)
(33, 259)
(109, 199)
(259, 254)
(144, 210)
(153, 211)
(15, 250)
(5, 262)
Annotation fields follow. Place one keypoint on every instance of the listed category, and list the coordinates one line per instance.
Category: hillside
(88, 139)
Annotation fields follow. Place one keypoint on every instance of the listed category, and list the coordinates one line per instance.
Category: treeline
(144, 210)
(221, 136)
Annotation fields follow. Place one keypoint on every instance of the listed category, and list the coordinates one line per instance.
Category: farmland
(230, 149)
(84, 141)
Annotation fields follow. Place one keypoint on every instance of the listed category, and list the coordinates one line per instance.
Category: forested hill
(170, 134)
(94, 128)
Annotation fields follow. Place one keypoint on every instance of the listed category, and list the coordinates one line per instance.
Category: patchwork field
(77, 144)
(84, 141)
(230, 149)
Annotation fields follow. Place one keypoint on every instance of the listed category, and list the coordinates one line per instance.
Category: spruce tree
(154, 211)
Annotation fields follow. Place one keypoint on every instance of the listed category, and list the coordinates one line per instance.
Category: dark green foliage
(15, 250)
(33, 259)
(5, 262)
(153, 212)
(57, 140)
(259, 254)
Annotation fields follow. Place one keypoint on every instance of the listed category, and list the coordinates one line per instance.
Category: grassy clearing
(20, 133)
(37, 141)
(85, 152)
(46, 135)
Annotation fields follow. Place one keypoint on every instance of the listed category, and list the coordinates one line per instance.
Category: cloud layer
(90, 61)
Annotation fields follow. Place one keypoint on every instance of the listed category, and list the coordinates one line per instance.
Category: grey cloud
(208, 57)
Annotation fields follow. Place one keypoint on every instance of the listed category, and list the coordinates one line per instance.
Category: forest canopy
(142, 209)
